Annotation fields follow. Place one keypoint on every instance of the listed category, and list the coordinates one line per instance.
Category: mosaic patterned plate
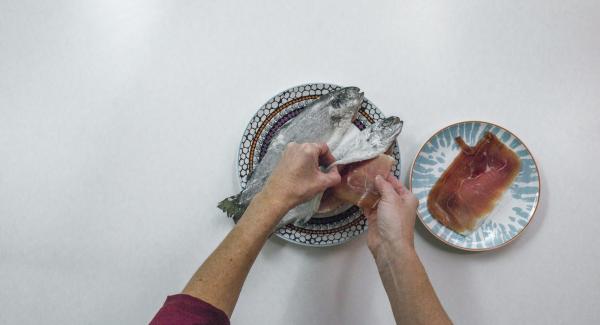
(261, 129)
(514, 209)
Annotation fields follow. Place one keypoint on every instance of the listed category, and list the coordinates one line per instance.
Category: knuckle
(337, 177)
(395, 199)
(307, 148)
(410, 199)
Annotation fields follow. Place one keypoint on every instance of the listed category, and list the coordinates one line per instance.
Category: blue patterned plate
(514, 209)
(274, 114)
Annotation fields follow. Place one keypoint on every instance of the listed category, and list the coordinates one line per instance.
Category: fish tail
(233, 207)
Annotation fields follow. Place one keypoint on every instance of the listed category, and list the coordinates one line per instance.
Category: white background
(120, 122)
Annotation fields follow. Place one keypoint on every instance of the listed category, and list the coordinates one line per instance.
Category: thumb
(385, 189)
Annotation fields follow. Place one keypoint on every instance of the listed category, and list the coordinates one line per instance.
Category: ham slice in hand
(358, 184)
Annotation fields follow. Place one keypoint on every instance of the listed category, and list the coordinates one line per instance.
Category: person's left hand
(297, 177)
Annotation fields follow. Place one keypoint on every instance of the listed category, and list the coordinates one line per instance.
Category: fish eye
(336, 103)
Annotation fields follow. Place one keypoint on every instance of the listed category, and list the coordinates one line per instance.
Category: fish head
(392, 124)
(344, 103)
(385, 129)
(375, 139)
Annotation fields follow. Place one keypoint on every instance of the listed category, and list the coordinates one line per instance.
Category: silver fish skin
(326, 119)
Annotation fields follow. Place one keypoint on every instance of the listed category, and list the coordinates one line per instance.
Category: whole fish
(326, 119)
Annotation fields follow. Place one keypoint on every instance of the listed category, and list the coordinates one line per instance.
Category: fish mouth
(351, 92)
(391, 125)
(351, 89)
(354, 96)
(392, 120)
(346, 100)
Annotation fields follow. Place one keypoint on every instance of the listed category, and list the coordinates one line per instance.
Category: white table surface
(120, 122)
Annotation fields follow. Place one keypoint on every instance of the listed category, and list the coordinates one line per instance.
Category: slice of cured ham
(358, 184)
(471, 186)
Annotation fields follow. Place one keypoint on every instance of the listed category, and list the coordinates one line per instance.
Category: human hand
(297, 176)
(391, 223)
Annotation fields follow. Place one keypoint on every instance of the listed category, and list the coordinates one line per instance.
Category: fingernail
(378, 178)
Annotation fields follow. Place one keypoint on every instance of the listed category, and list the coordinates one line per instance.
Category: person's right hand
(391, 223)
(298, 177)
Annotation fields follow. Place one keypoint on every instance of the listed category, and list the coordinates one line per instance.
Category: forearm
(220, 278)
(411, 295)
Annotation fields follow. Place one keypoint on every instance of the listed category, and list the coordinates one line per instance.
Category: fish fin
(232, 207)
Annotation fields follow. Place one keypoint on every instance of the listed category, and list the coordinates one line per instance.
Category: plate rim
(535, 208)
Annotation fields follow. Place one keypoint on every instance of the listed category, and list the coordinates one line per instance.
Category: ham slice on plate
(358, 184)
(471, 186)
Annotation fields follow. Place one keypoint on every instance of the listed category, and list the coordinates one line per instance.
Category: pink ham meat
(470, 187)
(358, 184)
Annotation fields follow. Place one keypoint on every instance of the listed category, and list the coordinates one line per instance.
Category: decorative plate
(515, 208)
(261, 129)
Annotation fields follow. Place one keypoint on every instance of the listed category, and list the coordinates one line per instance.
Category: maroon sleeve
(186, 310)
